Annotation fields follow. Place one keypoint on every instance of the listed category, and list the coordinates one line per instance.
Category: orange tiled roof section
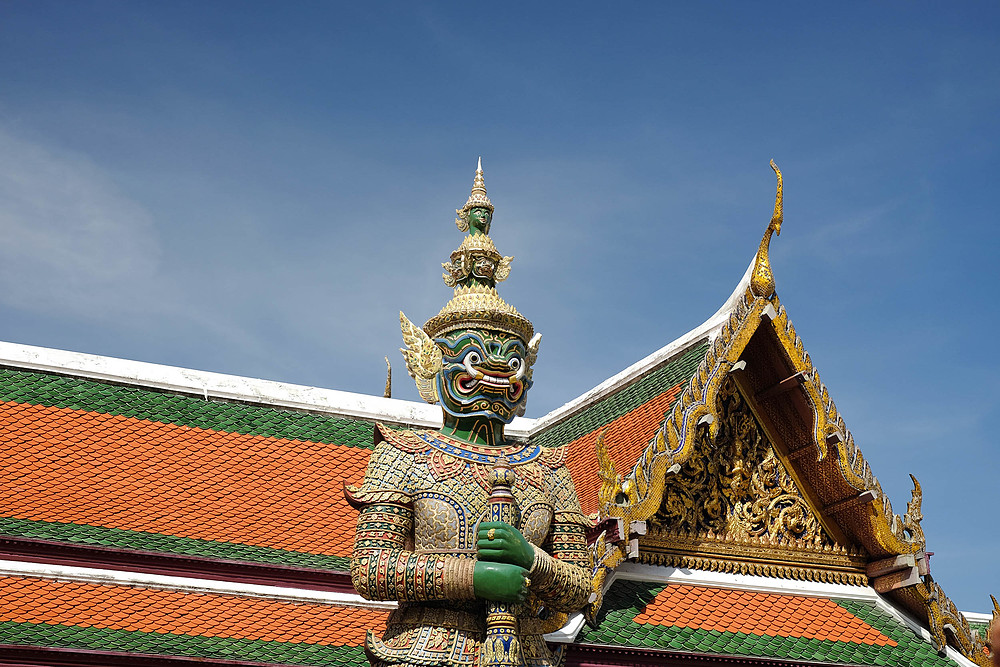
(762, 614)
(28, 600)
(626, 438)
(75, 466)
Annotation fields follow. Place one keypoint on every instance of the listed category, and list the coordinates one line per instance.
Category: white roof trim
(567, 633)
(707, 329)
(219, 385)
(671, 575)
(186, 584)
(977, 617)
(329, 401)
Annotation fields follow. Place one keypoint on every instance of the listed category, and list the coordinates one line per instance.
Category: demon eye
(514, 364)
(473, 357)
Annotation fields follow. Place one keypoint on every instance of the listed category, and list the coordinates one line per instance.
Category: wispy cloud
(75, 247)
(71, 241)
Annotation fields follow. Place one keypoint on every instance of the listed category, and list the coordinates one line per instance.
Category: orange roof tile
(762, 614)
(626, 438)
(75, 466)
(29, 600)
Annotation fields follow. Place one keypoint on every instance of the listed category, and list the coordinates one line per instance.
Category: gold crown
(479, 306)
(476, 256)
(478, 198)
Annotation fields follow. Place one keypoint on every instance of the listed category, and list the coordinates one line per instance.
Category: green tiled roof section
(914, 648)
(132, 641)
(155, 542)
(21, 386)
(981, 628)
(677, 371)
(627, 598)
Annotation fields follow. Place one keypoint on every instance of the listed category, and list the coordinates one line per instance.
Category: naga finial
(762, 279)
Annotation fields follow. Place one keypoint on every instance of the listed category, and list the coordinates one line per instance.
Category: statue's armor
(422, 499)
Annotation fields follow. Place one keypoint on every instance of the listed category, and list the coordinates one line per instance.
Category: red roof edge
(59, 553)
(16, 655)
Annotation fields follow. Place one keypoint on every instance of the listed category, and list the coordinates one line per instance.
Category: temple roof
(192, 464)
(145, 468)
(683, 618)
(107, 618)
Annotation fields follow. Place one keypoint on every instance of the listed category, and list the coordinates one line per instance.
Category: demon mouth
(468, 383)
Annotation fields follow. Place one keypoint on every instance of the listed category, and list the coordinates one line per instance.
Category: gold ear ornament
(423, 358)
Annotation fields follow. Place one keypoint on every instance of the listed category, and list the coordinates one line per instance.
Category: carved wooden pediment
(734, 506)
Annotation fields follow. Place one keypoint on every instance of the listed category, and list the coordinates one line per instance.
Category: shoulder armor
(553, 457)
(360, 497)
(405, 439)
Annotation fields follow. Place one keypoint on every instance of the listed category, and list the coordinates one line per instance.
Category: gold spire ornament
(762, 279)
(388, 379)
(477, 199)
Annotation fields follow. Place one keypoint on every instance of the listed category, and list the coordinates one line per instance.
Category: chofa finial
(762, 279)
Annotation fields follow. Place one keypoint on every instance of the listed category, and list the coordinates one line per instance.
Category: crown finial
(762, 280)
(468, 216)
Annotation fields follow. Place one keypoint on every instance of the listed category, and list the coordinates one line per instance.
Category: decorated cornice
(804, 560)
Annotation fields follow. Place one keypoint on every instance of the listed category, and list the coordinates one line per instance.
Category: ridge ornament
(480, 539)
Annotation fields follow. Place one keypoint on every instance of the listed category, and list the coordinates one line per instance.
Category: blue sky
(258, 189)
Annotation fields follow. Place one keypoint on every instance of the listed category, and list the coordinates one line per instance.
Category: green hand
(500, 582)
(506, 546)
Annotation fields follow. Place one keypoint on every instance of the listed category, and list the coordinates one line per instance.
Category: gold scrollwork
(733, 484)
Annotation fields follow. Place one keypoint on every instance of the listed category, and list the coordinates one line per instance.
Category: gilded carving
(734, 485)
(762, 278)
(675, 442)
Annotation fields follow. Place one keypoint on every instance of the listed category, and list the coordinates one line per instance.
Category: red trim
(13, 655)
(60, 553)
(582, 655)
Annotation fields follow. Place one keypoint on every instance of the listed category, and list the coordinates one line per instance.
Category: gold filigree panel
(734, 485)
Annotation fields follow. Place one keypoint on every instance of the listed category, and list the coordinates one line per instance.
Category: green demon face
(480, 218)
(484, 374)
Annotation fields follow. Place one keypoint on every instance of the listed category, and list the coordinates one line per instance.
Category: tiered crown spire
(477, 199)
(474, 270)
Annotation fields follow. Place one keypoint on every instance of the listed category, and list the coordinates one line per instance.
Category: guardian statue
(479, 538)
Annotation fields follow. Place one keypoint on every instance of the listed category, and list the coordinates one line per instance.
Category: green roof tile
(677, 371)
(131, 641)
(36, 388)
(156, 542)
(626, 599)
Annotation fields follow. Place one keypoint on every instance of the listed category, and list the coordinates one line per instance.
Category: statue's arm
(382, 568)
(560, 573)
(383, 564)
(561, 570)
